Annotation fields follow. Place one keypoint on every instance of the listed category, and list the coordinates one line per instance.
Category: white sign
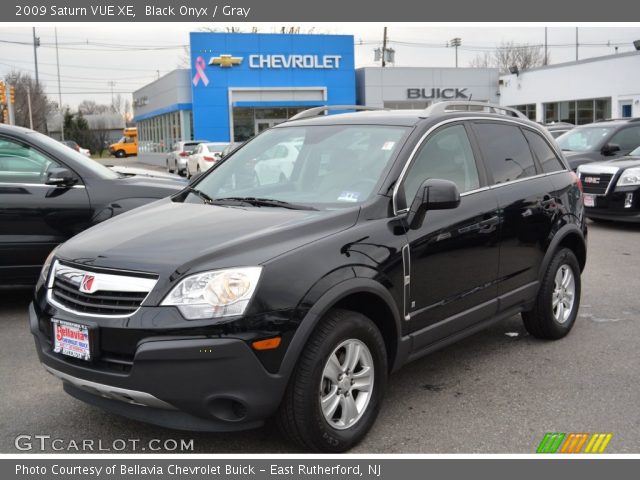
(295, 61)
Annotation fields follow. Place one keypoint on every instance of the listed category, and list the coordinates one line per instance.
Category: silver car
(177, 157)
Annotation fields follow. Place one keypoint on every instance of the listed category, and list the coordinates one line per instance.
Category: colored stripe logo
(574, 443)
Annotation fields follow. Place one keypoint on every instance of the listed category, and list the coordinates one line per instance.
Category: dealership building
(240, 84)
(577, 92)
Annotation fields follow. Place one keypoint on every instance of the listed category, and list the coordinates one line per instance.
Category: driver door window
(627, 139)
(19, 163)
(446, 155)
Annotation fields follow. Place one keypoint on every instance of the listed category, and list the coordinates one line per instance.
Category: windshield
(49, 144)
(635, 153)
(583, 139)
(323, 166)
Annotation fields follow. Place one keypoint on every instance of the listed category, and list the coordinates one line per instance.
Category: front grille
(595, 183)
(100, 302)
(105, 293)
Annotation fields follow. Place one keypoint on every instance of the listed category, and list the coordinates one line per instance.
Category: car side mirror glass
(60, 177)
(433, 194)
(610, 149)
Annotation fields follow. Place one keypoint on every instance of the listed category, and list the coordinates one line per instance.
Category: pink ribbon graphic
(200, 75)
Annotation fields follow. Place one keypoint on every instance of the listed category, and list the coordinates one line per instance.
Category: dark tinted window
(627, 139)
(544, 152)
(506, 152)
(446, 155)
(19, 163)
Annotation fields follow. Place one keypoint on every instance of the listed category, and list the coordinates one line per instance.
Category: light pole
(456, 42)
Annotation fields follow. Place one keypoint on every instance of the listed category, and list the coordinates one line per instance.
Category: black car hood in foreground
(166, 236)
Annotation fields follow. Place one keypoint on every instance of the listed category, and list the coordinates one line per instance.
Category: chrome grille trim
(115, 287)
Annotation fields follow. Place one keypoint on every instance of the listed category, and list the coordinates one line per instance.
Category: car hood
(621, 163)
(142, 172)
(169, 238)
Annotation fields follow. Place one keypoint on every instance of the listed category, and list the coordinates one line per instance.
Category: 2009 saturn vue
(250, 294)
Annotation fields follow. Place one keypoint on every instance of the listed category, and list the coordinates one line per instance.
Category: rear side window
(541, 149)
(506, 152)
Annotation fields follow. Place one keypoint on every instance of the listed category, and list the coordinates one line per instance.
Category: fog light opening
(628, 200)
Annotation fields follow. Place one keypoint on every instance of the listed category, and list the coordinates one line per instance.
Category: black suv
(600, 141)
(293, 287)
(49, 193)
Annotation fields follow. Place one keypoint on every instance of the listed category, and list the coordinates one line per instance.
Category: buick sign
(436, 93)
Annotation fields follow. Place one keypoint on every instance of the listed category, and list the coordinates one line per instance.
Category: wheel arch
(362, 295)
(569, 236)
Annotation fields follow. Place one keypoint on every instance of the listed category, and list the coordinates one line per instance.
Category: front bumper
(198, 383)
(612, 206)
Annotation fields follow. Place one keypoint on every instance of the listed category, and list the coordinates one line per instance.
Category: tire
(544, 320)
(187, 173)
(169, 169)
(121, 154)
(301, 417)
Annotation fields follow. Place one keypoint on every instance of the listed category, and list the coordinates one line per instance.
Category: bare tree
(510, 54)
(41, 106)
(90, 107)
(99, 136)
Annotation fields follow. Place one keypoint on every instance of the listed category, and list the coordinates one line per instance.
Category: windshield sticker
(349, 197)
(388, 145)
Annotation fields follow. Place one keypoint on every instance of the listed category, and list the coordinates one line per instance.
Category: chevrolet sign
(295, 61)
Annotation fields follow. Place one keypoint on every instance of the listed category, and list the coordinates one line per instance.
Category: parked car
(49, 192)
(600, 141)
(203, 157)
(177, 158)
(276, 163)
(232, 147)
(558, 128)
(612, 189)
(74, 145)
(397, 233)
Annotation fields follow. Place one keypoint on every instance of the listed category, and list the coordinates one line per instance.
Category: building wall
(163, 95)
(377, 86)
(614, 77)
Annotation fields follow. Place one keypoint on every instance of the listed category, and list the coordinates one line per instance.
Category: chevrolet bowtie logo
(225, 61)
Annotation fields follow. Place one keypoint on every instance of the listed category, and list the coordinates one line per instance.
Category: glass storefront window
(529, 110)
(248, 122)
(578, 112)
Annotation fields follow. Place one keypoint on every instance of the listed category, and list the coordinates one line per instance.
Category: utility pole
(36, 44)
(59, 88)
(29, 106)
(456, 42)
(112, 84)
(576, 44)
(546, 57)
(384, 47)
(11, 99)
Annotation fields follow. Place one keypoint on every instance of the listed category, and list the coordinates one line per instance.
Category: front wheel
(121, 154)
(336, 391)
(556, 306)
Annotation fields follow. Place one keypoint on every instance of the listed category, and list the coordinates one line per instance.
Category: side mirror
(433, 194)
(610, 149)
(60, 177)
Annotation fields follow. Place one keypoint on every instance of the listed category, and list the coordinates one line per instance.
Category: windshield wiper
(201, 194)
(263, 202)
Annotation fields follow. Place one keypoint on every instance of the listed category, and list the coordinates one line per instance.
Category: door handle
(488, 225)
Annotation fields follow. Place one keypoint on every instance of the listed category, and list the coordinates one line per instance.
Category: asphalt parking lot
(496, 392)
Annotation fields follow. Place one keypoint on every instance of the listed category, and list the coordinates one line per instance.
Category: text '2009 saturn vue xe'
(293, 289)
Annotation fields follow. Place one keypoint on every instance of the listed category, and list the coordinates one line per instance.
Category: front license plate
(71, 339)
(589, 200)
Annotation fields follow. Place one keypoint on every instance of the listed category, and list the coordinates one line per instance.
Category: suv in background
(179, 154)
(558, 128)
(50, 192)
(600, 141)
(612, 189)
(393, 234)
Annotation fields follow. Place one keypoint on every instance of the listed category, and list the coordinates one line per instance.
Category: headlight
(631, 176)
(221, 293)
(44, 272)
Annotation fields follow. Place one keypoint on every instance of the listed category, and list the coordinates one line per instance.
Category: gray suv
(600, 141)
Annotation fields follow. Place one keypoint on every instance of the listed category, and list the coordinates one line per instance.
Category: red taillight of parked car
(209, 159)
(577, 180)
(184, 154)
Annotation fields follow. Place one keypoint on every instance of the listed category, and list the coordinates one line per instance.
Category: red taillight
(577, 180)
(184, 154)
(209, 159)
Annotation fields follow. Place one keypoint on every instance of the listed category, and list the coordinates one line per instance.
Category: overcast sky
(133, 55)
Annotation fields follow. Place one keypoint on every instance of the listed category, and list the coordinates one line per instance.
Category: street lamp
(456, 42)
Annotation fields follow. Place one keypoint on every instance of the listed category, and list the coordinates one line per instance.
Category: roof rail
(315, 111)
(453, 106)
